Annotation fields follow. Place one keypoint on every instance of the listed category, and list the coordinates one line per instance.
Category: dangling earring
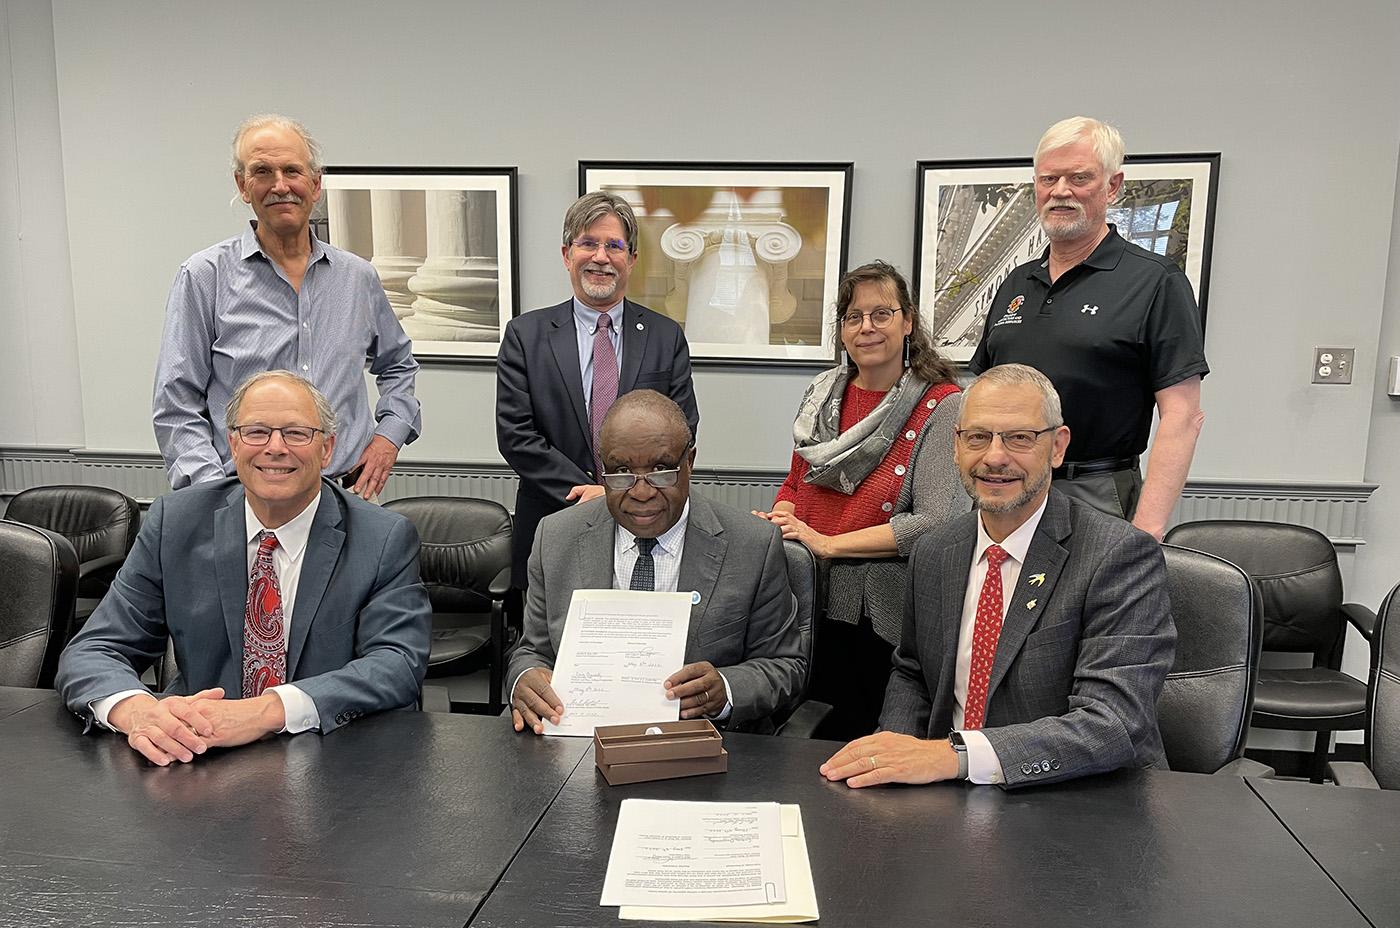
(908, 350)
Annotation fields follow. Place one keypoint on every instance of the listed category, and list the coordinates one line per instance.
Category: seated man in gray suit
(1037, 631)
(292, 605)
(744, 659)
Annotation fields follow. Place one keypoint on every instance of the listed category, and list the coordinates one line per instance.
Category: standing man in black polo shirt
(1114, 327)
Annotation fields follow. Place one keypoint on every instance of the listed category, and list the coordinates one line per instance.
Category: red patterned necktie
(985, 630)
(604, 384)
(264, 645)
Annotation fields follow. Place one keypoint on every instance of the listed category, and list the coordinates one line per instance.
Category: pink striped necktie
(985, 631)
(264, 636)
(604, 385)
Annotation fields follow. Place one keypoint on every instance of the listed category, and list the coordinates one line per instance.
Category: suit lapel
(563, 341)
(231, 570)
(634, 345)
(1026, 603)
(593, 558)
(701, 560)
(317, 564)
(953, 564)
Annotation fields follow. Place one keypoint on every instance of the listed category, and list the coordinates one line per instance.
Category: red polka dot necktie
(985, 630)
(604, 385)
(264, 644)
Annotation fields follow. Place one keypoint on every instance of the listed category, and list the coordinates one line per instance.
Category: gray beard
(606, 292)
(1029, 492)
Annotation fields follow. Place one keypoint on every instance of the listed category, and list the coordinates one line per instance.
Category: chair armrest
(805, 719)
(87, 568)
(1244, 767)
(1352, 773)
(1362, 618)
(436, 699)
(500, 584)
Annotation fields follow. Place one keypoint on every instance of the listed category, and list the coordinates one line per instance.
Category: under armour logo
(1091, 310)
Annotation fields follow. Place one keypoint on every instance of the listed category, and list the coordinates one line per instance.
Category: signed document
(618, 648)
(696, 854)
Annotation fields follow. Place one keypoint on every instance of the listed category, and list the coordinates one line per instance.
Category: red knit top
(834, 513)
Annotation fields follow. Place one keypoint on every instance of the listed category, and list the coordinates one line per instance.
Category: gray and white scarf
(840, 461)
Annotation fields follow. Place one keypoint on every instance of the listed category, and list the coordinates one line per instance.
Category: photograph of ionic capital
(745, 257)
(976, 221)
(443, 243)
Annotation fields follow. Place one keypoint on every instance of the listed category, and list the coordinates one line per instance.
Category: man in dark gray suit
(1037, 631)
(553, 361)
(292, 605)
(744, 659)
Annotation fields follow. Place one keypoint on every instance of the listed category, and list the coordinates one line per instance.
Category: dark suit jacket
(542, 427)
(1082, 655)
(744, 623)
(360, 625)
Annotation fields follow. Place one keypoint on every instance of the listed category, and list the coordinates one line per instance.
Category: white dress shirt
(299, 708)
(983, 766)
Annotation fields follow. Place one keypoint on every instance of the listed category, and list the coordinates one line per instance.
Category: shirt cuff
(299, 709)
(983, 767)
(394, 429)
(728, 710)
(103, 707)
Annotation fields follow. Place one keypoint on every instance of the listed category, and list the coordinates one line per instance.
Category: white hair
(1103, 138)
(262, 121)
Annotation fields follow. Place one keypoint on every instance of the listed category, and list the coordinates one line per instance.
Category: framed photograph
(745, 256)
(443, 241)
(976, 220)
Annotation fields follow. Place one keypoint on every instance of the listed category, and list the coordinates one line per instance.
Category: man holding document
(743, 657)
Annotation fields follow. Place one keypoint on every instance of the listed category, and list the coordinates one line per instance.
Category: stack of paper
(710, 861)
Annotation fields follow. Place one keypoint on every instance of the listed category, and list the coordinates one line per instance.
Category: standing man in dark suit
(1037, 631)
(743, 653)
(561, 368)
(292, 605)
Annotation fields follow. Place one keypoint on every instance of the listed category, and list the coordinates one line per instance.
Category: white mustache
(1070, 203)
(600, 268)
(272, 198)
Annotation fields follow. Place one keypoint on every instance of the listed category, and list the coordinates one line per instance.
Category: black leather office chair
(465, 564)
(1204, 710)
(100, 523)
(1382, 766)
(806, 577)
(38, 583)
(1300, 589)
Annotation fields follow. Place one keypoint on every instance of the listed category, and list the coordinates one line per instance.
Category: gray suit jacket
(744, 623)
(1082, 655)
(360, 626)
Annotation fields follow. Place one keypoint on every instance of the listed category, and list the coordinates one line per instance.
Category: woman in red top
(871, 471)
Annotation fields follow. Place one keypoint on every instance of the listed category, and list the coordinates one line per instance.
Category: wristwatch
(959, 746)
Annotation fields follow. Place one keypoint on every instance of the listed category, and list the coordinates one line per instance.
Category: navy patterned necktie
(644, 571)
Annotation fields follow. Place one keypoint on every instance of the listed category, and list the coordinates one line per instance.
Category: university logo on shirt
(1011, 318)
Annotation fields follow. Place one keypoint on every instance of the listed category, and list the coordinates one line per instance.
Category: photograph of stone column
(443, 241)
(746, 257)
(976, 221)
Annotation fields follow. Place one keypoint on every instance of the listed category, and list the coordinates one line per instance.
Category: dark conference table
(423, 819)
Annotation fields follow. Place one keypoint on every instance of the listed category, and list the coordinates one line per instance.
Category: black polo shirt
(1109, 334)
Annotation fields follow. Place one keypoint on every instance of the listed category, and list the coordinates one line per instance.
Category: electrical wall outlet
(1333, 365)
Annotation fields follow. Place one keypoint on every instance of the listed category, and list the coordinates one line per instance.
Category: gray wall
(1298, 96)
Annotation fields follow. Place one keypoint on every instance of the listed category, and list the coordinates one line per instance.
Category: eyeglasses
(258, 435)
(660, 479)
(613, 246)
(879, 318)
(1013, 440)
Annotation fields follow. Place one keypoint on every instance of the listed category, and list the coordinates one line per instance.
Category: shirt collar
(669, 541)
(587, 318)
(249, 245)
(1017, 543)
(291, 535)
(1104, 257)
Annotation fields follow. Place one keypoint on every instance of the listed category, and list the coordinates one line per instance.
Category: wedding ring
(873, 765)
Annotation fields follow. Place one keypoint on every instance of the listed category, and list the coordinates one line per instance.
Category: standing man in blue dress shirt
(276, 297)
(548, 379)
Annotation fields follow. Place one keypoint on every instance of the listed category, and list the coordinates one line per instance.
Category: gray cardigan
(931, 493)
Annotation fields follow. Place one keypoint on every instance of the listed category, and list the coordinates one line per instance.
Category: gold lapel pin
(1037, 579)
(1031, 604)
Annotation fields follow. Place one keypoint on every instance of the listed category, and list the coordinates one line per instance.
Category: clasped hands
(886, 757)
(180, 727)
(698, 686)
